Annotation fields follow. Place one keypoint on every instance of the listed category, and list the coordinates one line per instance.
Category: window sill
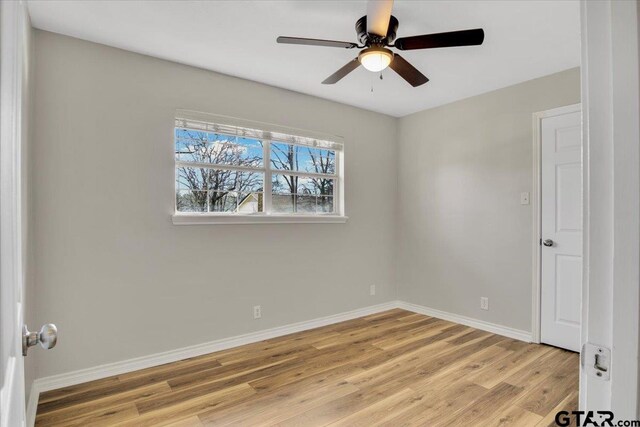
(202, 219)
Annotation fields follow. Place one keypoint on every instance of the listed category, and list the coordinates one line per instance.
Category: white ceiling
(524, 40)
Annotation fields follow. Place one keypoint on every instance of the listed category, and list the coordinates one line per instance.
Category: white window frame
(266, 217)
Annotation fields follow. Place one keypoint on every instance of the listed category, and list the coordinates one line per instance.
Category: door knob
(47, 337)
(547, 242)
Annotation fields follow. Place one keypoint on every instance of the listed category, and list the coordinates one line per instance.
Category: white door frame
(536, 201)
(611, 201)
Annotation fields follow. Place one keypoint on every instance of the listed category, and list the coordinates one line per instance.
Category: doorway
(558, 230)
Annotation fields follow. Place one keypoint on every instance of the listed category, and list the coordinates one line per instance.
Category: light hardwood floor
(393, 368)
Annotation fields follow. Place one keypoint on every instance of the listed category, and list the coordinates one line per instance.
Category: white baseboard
(90, 374)
(468, 321)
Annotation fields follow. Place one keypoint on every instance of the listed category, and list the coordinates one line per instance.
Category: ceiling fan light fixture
(375, 58)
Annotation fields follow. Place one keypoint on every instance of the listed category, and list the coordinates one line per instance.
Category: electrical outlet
(372, 290)
(257, 312)
(484, 303)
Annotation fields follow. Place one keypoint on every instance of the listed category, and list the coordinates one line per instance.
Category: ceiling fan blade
(315, 42)
(342, 72)
(450, 39)
(407, 71)
(378, 15)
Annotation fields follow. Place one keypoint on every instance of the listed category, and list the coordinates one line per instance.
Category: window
(225, 172)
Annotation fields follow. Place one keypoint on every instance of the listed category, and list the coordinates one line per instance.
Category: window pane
(323, 186)
(237, 151)
(317, 160)
(306, 186)
(302, 159)
(289, 184)
(325, 204)
(249, 182)
(220, 179)
(191, 179)
(250, 203)
(207, 147)
(281, 203)
(228, 190)
(303, 195)
(191, 201)
(305, 204)
(282, 156)
(190, 144)
(223, 201)
(284, 184)
(251, 153)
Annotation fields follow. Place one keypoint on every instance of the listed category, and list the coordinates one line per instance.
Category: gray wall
(439, 224)
(112, 271)
(462, 231)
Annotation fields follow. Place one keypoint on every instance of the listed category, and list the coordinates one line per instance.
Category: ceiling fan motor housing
(372, 39)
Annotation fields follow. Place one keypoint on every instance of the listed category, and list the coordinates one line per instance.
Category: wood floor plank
(310, 386)
(496, 399)
(192, 421)
(401, 366)
(269, 349)
(166, 371)
(513, 416)
(65, 392)
(214, 385)
(469, 336)
(319, 364)
(435, 405)
(337, 409)
(124, 383)
(90, 408)
(513, 345)
(173, 412)
(234, 370)
(410, 317)
(377, 386)
(374, 333)
(553, 389)
(493, 374)
(393, 368)
(569, 403)
(100, 417)
(394, 352)
(462, 369)
(292, 406)
(390, 341)
(377, 412)
(530, 375)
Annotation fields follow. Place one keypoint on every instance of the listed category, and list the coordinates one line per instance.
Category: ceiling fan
(377, 33)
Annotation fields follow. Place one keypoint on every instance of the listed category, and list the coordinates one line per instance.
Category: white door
(13, 23)
(561, 229)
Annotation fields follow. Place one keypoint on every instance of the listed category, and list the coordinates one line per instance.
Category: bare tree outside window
(222, 168)
(293, 193)
(204, 189)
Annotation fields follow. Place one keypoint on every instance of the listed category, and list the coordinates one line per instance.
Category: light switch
(524, 198)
